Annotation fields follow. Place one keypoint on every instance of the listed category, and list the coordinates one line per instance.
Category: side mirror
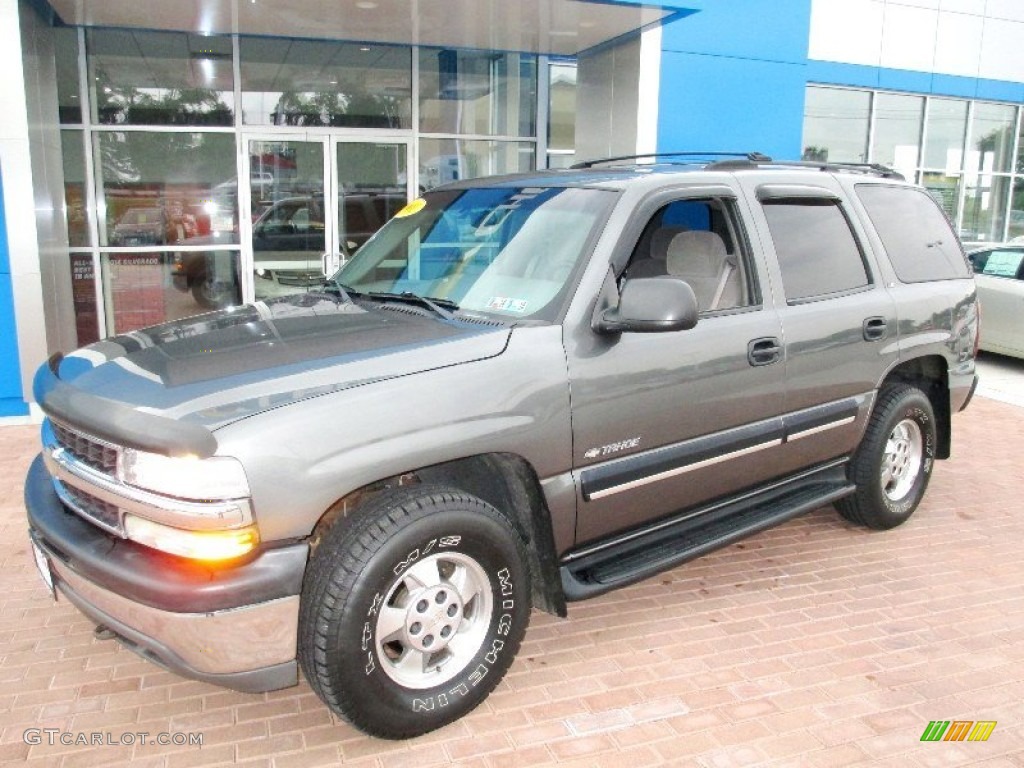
(651, 305)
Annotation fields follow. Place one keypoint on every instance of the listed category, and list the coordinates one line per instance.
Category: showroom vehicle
(521, 392)
(999, 273)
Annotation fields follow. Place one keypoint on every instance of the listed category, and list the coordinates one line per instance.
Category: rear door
(838, 319)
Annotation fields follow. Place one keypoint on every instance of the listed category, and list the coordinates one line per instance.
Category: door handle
(764, 351)
(875, 328)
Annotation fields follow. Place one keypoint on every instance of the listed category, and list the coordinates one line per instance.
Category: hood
(220, 367)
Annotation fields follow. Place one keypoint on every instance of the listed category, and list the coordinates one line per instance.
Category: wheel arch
(507, 482)
(929, 374)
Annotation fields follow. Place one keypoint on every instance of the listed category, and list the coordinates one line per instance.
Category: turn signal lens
(209, 546)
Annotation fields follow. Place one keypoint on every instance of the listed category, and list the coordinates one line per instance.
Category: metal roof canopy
(557, 27)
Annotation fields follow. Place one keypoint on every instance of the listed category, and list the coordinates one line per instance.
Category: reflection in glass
(1016, 229)
(897, 140)
(477, 92)
(73, 154)
(167, 188)
(160, 78)
(286, 183)
(944, 135)
(306, 82)
(144, 289)
(371, 189)
(992, 133)
(69, 105)
(445, 160)
(984, 215)
(562, 110)
(836, 125)
(83, 297)
(945, 190)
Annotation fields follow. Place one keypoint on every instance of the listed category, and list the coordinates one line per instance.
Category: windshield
(500, 251)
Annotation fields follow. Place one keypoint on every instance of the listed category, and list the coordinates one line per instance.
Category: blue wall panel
(856, 75)
(733, 77)
(11, 401)
(733, 111)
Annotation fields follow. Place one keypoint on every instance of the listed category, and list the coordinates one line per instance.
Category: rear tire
(412, 613)
(893, 464)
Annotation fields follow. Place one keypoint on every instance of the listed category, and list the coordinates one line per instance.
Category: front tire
(893, 464)
(412, 613)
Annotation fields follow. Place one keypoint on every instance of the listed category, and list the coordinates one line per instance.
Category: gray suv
(522, 391)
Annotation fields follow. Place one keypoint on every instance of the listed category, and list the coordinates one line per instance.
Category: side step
(633, 557)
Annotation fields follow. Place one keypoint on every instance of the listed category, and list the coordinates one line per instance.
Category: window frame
(751, 281)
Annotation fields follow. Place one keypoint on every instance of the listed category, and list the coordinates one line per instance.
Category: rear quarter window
(916, 234)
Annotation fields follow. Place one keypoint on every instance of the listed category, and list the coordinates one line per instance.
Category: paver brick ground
(814, 644)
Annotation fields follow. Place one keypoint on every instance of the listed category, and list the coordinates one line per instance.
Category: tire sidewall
(913, 405)
(357, 667)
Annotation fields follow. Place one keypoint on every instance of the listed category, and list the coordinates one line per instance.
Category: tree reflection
(351, 106)
(127, 105)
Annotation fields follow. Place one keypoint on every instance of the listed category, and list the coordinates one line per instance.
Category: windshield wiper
(443, 307)
(345, 292)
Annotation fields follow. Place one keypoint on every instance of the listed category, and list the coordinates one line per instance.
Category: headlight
(219, 477)
(196, 545)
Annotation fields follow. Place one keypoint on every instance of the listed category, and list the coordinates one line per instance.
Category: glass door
(372, 184)
(311, 200)
(286, 228)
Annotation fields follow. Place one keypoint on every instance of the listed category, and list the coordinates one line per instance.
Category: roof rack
(874, 169)
(750, 157)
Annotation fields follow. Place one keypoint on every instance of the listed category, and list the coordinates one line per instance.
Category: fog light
(196, 545)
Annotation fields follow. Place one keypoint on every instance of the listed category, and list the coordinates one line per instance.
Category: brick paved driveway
(814, 644)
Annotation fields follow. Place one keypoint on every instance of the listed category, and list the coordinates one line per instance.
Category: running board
(666, 544)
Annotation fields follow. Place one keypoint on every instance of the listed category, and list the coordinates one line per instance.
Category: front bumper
(234, 626)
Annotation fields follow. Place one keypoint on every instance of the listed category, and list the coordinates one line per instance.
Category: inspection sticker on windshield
(503, 304)
(414, 206)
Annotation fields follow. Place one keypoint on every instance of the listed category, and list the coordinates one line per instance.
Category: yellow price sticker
(414, 206)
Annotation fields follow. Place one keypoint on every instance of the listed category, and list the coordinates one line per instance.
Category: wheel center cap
(433, 617)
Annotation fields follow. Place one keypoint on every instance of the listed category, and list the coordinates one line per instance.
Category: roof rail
(753, 157)
(874, 169)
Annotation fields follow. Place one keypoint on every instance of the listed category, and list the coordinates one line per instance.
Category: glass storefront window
(160, 78)
(167, 188)
(946, 191)
(69, 105)
(445, 160)
(1016, 228)
(984, 215)
(897, 139)
(477, 92)
(73, 152)
(944, 134)
(144, 289)
(992, 133)
(836, 125)
(311, 83)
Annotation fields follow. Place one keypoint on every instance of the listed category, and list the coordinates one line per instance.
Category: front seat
(654, 265)
(699, 257)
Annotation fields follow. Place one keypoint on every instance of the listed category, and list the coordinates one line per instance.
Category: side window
(818, 253)
(916, 234)
(700, 242)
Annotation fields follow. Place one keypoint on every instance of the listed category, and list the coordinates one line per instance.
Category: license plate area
(43, 566)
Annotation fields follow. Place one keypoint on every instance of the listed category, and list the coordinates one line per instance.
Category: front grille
(103, 513)
(88, 450)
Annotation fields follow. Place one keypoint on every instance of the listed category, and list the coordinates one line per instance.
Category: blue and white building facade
(140, 139)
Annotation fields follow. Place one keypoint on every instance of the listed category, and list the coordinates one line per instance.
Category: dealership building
(159, 159)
